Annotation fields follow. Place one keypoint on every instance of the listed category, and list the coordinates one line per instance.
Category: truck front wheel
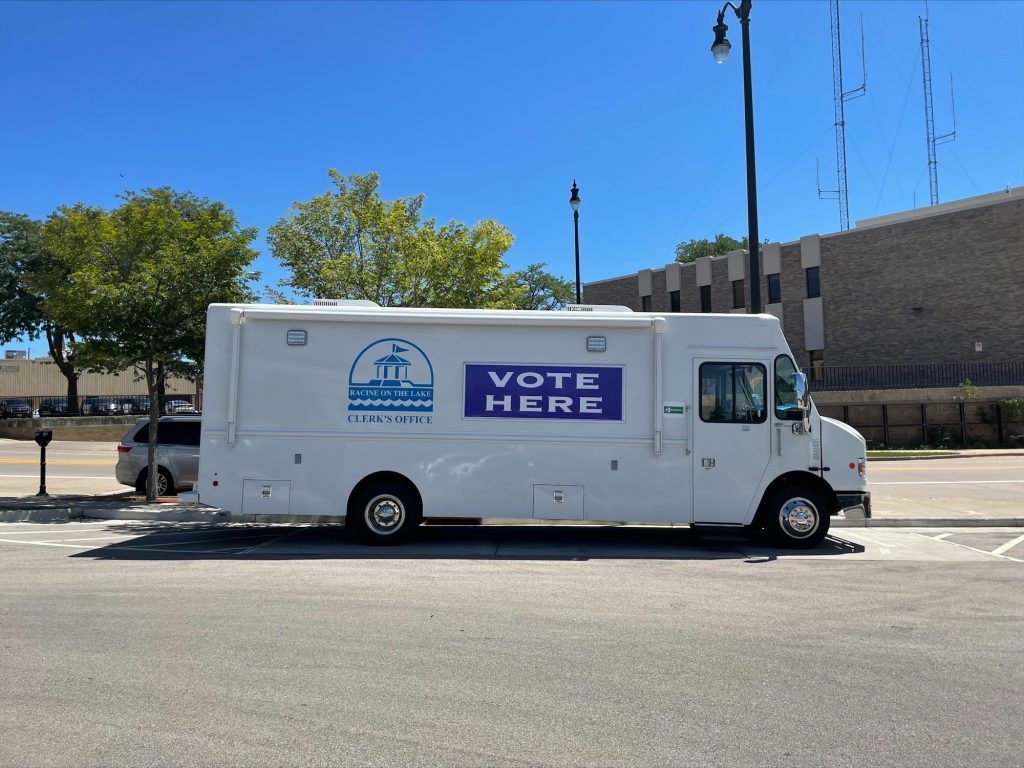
(796, 517)
(385, 513)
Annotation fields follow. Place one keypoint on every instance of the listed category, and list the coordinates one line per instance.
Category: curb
(931, 522)
(71, 513)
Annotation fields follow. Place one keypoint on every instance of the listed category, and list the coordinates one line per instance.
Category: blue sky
(493, 108)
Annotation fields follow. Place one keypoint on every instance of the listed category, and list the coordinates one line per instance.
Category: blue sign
(500, 391)
(391, 375)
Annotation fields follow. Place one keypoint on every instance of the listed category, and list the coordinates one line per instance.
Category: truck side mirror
(802, 391)
(43, 437)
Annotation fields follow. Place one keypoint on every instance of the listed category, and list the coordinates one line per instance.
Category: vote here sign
(500, 391)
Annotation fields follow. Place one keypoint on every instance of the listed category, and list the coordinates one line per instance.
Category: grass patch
(907, 454)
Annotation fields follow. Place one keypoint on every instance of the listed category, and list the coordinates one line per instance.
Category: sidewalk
(57, 509)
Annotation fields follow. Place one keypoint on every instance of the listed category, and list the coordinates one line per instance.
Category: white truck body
(603, 415)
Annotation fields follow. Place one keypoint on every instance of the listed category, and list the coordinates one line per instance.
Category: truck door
(731, 437)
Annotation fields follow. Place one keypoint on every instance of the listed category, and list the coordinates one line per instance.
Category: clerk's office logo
(391, 375)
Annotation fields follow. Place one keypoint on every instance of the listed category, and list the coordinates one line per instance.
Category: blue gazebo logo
(391, 375)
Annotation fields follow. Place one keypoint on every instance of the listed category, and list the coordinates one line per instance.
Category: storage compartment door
(558, 502)
(266, 497)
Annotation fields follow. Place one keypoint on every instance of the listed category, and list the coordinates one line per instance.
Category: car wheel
(385, 513)
(164, 482)
(797, 518)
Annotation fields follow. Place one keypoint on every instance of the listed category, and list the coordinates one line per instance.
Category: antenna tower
(840, 97)
(929, 110)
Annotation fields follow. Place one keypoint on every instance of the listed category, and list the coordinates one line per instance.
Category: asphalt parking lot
(177, 644)
(194, 541)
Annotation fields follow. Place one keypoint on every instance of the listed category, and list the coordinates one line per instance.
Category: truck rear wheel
(385, 513)
(796, 517)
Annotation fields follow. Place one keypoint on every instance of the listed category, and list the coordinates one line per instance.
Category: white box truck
(383, 417)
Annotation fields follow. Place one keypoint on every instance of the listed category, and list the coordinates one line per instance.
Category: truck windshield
(786, 406)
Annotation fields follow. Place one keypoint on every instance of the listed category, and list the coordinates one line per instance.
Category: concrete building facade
(943, 284)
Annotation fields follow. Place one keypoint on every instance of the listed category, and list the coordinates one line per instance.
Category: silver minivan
(177, 454)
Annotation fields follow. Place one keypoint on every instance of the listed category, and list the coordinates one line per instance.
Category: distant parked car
(53, 406)
(135, 404)
(177, 454)
(101, 406)
(179, 406)
(15, 408)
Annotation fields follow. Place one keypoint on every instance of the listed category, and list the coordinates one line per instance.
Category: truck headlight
(862, 467)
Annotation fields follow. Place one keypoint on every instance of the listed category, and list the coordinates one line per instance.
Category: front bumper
(855, 503)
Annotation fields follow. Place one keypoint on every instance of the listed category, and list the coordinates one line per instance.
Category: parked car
(179, 406)
(15, 408)
(135, 404)
(53, 406)
(177, 454)
(101, 406)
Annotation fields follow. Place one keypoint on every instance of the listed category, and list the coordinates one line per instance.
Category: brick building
(943, 284)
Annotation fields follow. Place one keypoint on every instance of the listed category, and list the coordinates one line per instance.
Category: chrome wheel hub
(384, 514)
(799, 518)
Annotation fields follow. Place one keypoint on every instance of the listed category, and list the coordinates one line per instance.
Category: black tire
(165, 483)
(796, 517)
(385, 513)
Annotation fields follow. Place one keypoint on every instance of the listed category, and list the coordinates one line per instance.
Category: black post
(574, 201)
(576, 233)
(43, 438)
(748, 104)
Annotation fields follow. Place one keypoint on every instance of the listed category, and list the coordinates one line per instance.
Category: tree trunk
(152, 382)
(55, 341)
(161, 383)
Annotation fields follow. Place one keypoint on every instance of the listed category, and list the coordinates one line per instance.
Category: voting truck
(383, 417)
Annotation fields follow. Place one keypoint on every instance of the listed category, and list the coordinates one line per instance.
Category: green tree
(138, 279)
(533, 288)
(349, 243)
(692, 250)
(27, 273)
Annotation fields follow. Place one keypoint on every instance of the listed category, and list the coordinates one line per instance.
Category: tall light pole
(720, 50)
(574, 201)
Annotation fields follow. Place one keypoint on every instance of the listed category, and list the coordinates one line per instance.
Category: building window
(732, 392)
(817, 364)
(673, 299)
(738, 302)
(813, 283)
(645, 303)
(774, 289)
(705, 298)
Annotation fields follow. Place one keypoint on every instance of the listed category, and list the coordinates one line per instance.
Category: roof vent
(596, 308)
(344, 303)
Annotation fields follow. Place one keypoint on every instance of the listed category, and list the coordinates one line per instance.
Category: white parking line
(50, 476)
(974, 549)
(44, 544)
(949, 482)
(1007, 546)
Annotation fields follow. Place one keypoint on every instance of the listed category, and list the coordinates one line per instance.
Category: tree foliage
(533, 288)
(136, 282)
(692, 250)
(349, 243)
(28, 271)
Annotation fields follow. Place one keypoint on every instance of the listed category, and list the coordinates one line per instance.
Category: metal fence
(851, 378)
(101, 405)
(982, 424)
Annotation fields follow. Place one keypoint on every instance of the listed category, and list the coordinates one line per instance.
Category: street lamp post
(574, 201)
(720, 50)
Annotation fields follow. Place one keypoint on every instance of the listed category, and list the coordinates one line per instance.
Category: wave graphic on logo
(391, 375)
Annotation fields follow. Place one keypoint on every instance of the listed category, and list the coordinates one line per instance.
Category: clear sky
(493, 108)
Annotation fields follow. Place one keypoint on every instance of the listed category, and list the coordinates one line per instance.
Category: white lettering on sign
(543, 391)
(533, 379)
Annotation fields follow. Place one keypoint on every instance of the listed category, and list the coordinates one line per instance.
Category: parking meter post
(43, 438)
